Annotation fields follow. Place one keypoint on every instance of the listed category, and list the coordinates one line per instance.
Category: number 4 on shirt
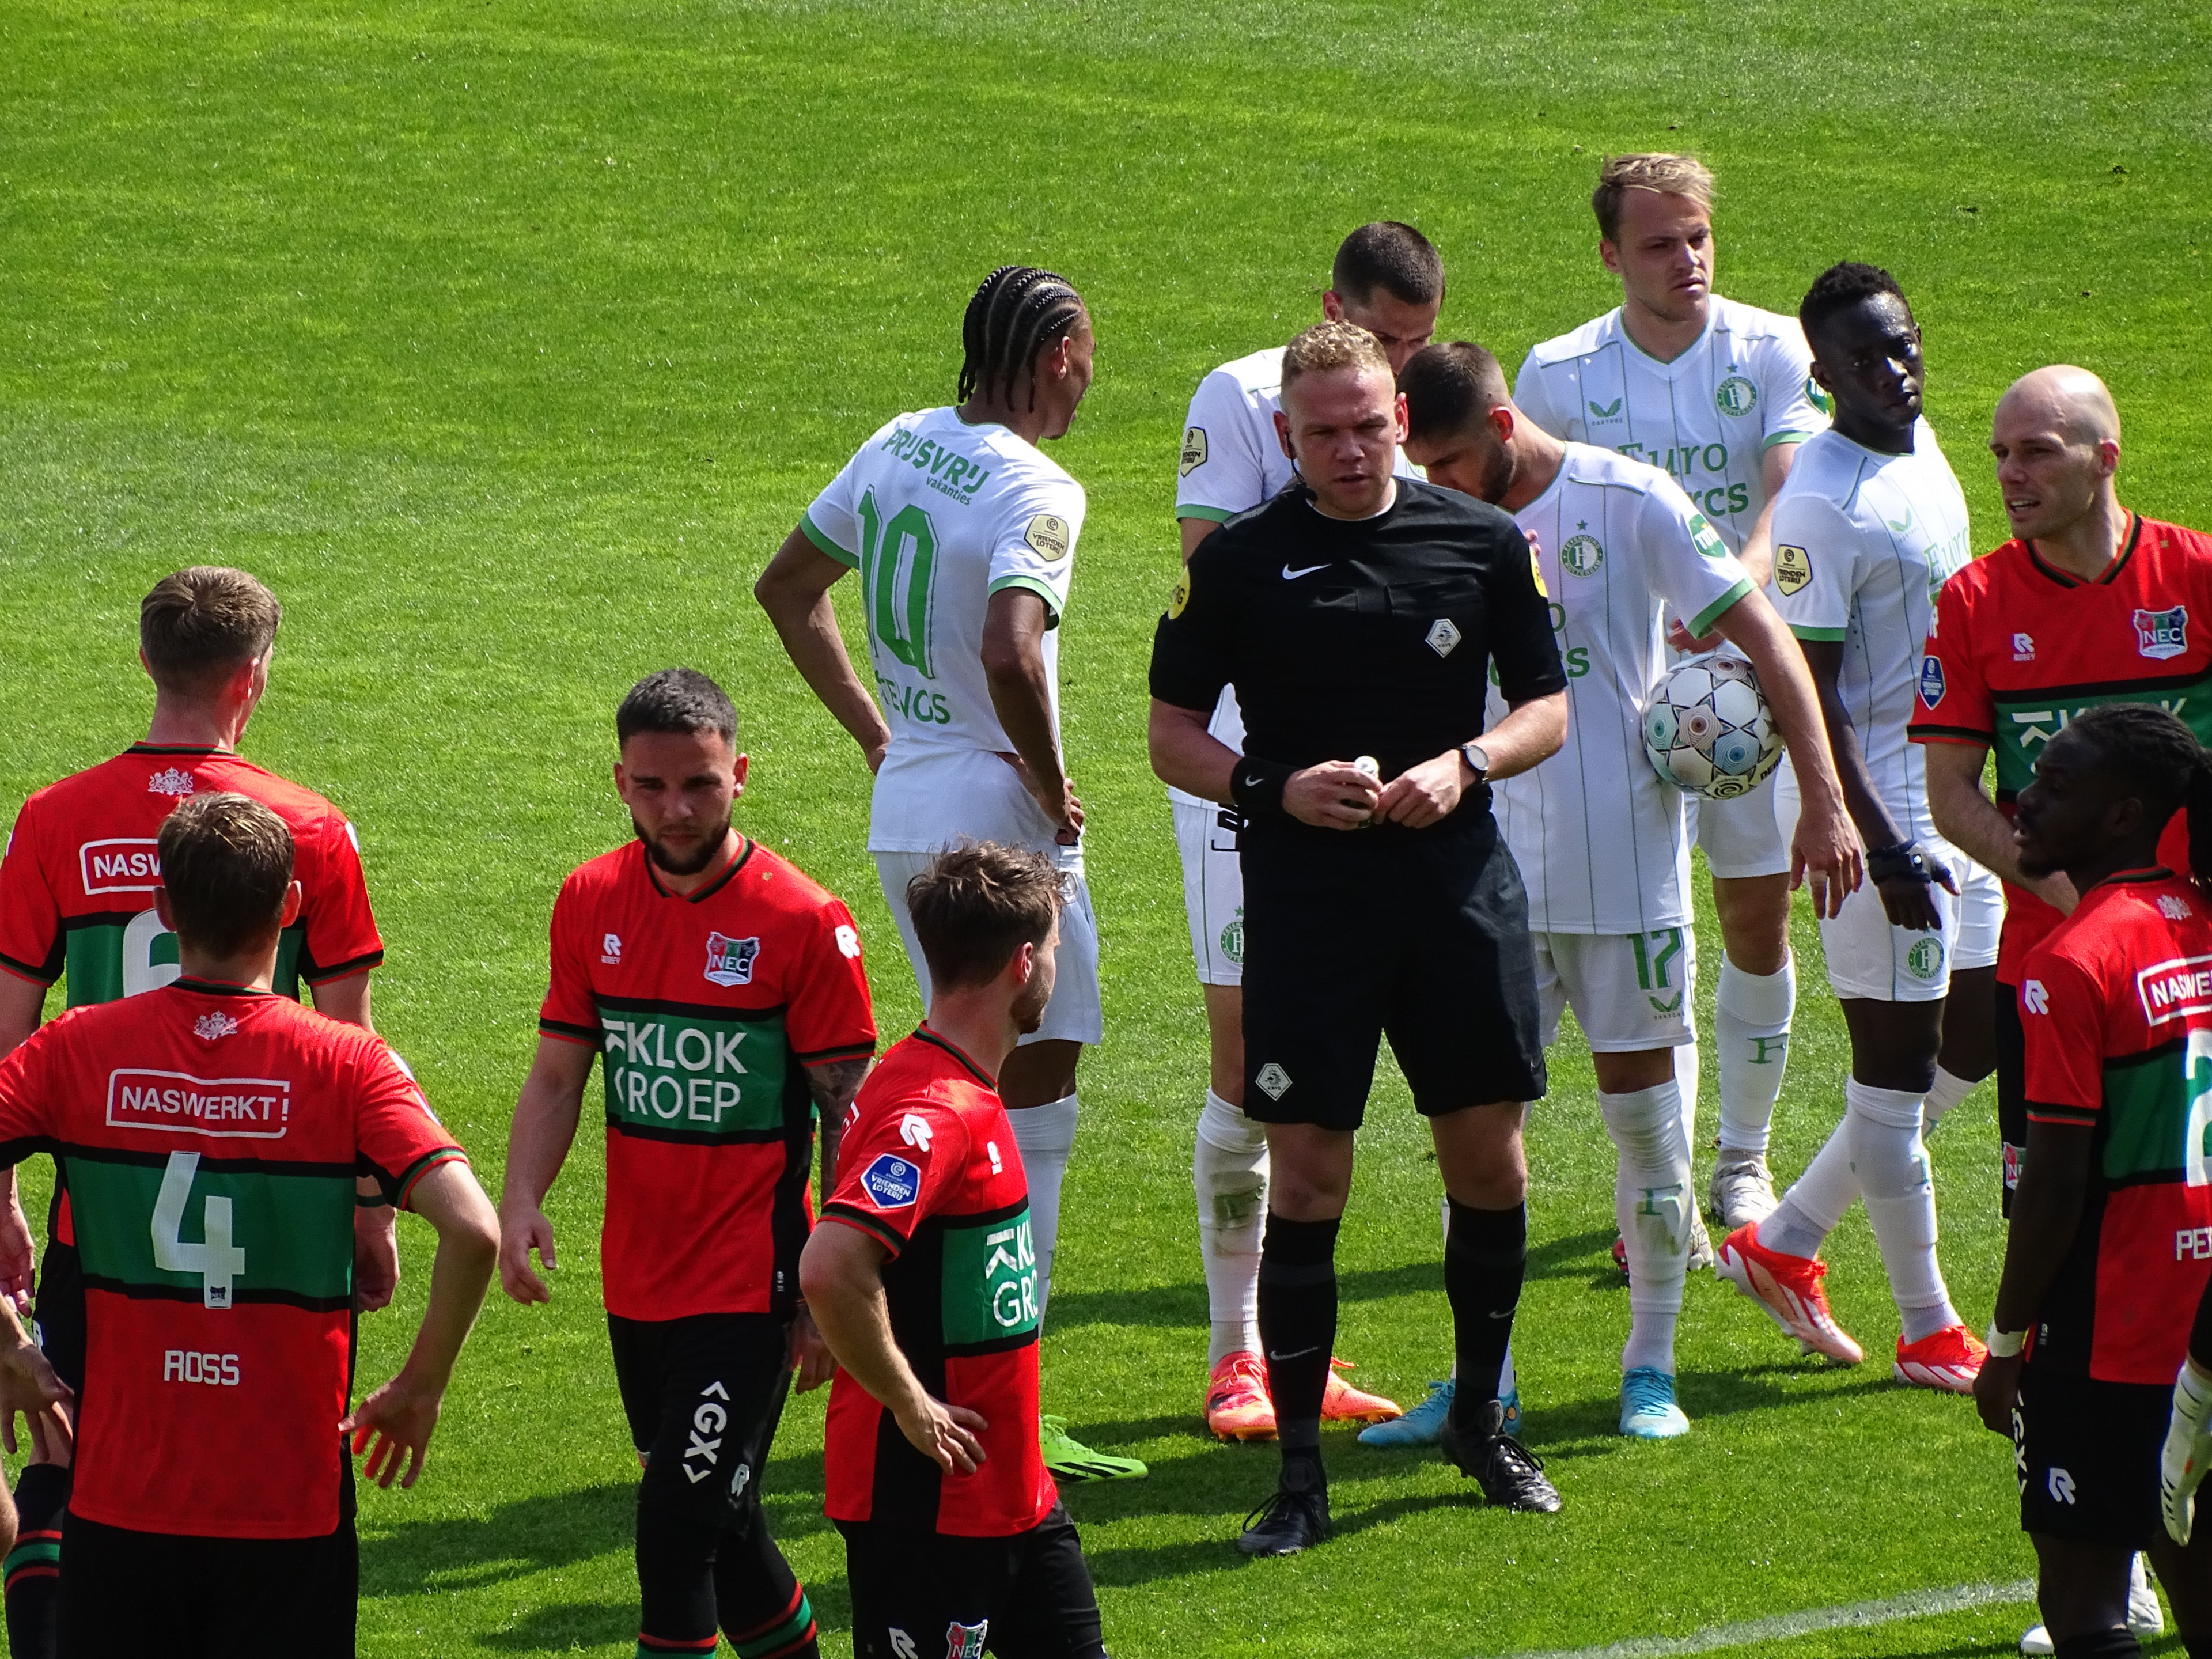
(217, 1260)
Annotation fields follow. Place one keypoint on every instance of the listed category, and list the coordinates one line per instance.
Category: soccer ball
(1708, 730)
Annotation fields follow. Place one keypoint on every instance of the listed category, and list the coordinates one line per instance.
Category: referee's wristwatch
(1477, 760)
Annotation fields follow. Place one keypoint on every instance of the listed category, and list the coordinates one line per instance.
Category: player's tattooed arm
(2046, 1212)
(794, 591)
(833, 1085)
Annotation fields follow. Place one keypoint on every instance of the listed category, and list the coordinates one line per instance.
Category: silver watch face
(1477, 757)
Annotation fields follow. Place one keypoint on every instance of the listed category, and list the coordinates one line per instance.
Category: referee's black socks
(1297, 1325)
(1486, 1257)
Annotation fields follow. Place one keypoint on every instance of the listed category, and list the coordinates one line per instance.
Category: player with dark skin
(2078, 820)
(1866, 357)
(794, 591)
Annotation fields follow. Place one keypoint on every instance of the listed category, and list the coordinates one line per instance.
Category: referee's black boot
(1295, 1518)
(1511, 1475)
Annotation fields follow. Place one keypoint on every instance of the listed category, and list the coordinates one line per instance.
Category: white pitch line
(1855, 1615)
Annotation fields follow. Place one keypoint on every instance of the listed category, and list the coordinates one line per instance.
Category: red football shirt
(928, 1168)
(706, 1008)
(2116, 1005)
(210, 1136)
(2018, 648)
(77, 882)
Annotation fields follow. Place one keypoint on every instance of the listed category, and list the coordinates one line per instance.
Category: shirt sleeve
(28, 1098)
(1787, 391)
(1816, 566)
(1532, 396)
(828, 1015)
(2063, 1014)
(1221, 472)
(833, 522)
(1690, 565)
(1191, 656)
(30, 920)
(1522, 647)
(570, 1012)
(400, 1137)
(341, 937)
(1034, 542)
(898, 1158)
(1954, 704)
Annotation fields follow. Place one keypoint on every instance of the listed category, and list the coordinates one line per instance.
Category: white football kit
(1598, 836)
(938, 515)
(1707, 417)
(1863, 542)
(1232, 461)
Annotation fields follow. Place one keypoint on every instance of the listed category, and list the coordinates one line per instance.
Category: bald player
(2087, 604)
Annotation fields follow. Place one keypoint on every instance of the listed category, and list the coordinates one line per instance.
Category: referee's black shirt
(1370, 636)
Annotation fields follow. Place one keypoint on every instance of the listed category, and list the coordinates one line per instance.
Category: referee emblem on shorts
(1443, 635)
(1272, 1080)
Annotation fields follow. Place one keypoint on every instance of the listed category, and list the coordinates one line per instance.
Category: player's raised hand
(393, 1426)
(522, 1230)
(944, 1433)
(1335, 795)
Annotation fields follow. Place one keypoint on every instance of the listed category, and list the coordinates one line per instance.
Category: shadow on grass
(1169, 1305)
(1119, 1567)
(594, 1623)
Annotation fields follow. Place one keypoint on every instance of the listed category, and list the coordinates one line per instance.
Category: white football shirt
(1232, 461)
(1708, 417)
(1600, 839)
(938, 515)
(1863, 542)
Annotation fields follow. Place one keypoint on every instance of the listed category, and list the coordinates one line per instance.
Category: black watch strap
(1477, 760)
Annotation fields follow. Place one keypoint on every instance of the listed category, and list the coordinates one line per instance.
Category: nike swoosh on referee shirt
(1291, 576)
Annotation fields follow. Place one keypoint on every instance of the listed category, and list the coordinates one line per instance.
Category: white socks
(1947, 1091)
(1651, 1201)
(1228, 1173)
(1685, 1080)
(1046, 1135)
(1816, 1200)
(1751, 1026)
(1884, 1127)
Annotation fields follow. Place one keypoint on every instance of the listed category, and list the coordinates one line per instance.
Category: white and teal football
(1708, 730)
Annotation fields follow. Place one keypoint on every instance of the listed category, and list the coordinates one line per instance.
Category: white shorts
(1074, 1014)
(1745, 836)
(1213, 890)
(1630, 992)
(1870, 958)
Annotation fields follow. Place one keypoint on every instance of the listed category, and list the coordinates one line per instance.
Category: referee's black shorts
(703, 1395)
(1421, 935)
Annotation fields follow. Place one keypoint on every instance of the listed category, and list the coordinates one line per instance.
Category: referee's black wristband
(1256, 786)
(1903, 862)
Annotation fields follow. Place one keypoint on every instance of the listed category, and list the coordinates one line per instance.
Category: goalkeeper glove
(2188, 1452)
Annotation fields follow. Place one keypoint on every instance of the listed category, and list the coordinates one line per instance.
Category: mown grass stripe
(1852, 1615)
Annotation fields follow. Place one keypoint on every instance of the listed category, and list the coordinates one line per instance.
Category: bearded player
(726, 990)
(1387, 279)
(1719, 394)
(924, 1275)
(1869, 526)
(1599, 839)
(77, 898)
(2117, 1187)
(964, 534)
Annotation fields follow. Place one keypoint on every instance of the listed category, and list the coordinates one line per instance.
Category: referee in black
(1358, 615)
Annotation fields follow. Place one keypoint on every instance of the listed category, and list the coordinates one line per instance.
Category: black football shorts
(919, 1594)
(1420, 935)
(2087, 1453)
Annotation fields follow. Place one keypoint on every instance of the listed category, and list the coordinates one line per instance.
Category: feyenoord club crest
(730, 960)
(2162, 634)
(171, 781)
(211, 1027)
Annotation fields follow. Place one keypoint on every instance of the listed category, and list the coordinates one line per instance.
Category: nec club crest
(2162, 634)
(172, 782)
(730, 960)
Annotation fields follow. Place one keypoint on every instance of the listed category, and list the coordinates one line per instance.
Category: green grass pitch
(506, 337)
